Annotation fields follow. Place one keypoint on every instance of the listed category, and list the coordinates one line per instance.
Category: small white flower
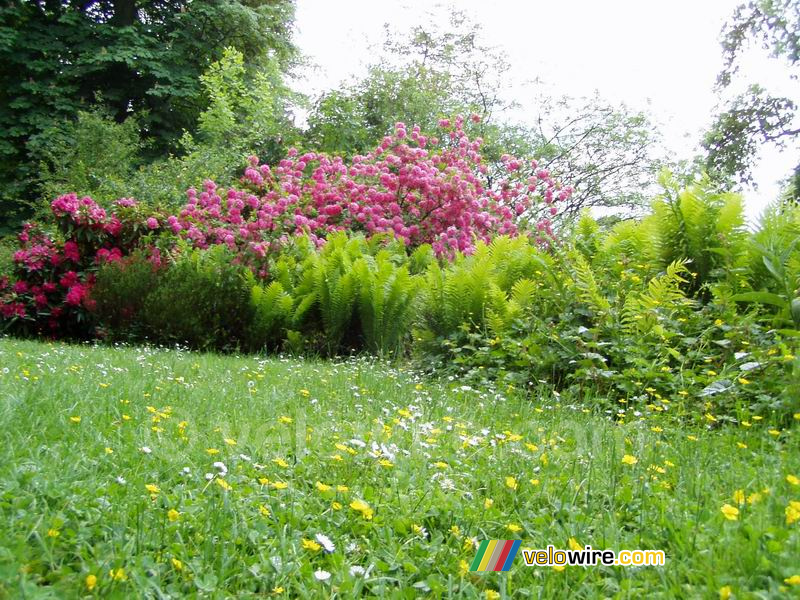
(220, 466)
(357, 571)
(209, 476)
(186, 471)
(321, 575)
(121, 480)
(325, 542)
(244, 457)
(146, 450)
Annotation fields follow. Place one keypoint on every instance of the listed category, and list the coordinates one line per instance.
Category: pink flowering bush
(419, 189)
(54, 271)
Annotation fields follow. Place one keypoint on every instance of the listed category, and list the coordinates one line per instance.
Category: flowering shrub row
(422, 190)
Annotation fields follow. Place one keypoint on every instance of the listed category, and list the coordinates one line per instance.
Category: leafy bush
(200, 301)
(119, 295)
(351, 294)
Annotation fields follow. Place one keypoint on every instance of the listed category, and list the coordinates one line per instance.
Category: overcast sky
(654, 55)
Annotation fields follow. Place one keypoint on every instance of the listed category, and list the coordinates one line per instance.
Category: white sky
(661, 56)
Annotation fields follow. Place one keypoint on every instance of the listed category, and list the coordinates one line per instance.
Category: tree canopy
(133, 57)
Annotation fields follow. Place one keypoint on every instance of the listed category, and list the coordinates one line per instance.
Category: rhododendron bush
(422, 190)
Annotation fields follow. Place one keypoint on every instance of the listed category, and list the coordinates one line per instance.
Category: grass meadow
(137, 472)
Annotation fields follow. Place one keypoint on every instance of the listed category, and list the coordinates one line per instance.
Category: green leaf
(761, 297)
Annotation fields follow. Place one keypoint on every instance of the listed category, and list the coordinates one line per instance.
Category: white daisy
(321, 575)
(325, 542)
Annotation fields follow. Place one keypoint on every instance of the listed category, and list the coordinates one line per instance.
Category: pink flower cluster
(53, 278)
(420, 189)
(39, 294)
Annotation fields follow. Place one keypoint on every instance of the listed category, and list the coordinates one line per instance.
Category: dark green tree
(132, 57)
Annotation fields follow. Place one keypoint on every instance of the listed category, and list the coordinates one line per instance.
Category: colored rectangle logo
(495, 555)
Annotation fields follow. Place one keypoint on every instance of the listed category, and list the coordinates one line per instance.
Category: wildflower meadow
(151, 472)
(434, 331)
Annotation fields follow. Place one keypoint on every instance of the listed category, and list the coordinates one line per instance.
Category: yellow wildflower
(792, 512)
(311, 545)
(152, 488)
(91, 582)
(363, 508)
(223, 484)
(730, 512)
(793, 480)
(753, 498)
(177, 564)
(322, 487)
(511, 483)
(173, 515)
(629, 460)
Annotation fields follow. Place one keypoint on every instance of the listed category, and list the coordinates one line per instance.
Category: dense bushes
(195, 298)
(402, 252)
(416, 188)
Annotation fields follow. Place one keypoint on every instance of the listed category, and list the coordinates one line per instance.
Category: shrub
(119, 295)
(350, 295)
(200, 301)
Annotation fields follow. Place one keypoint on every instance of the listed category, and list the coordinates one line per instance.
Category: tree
(755, 117)
(609, 153)
(134, 57)
(420, 77)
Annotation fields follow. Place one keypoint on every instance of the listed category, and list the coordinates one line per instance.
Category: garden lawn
(136, 472)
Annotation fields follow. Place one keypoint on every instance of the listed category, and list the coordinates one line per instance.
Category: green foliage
(349, 295)
(119, 296)
(92, 155)
(755, 117)
(199, 299)
(134, 58)
(702, 225)
(96, 156)
(614, 315)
